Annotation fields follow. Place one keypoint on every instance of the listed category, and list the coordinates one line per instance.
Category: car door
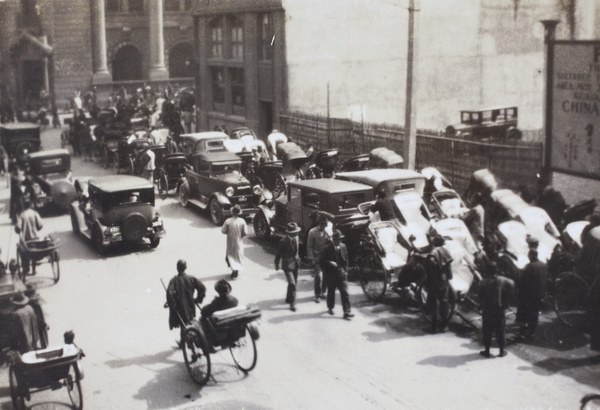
(312, 203)
(202, 188)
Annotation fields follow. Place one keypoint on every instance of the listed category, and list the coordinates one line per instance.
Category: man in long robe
(235, 228)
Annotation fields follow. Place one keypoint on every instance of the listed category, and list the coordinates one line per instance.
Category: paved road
(382, 359)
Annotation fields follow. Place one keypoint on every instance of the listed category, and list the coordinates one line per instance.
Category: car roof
(197, 136)
(19, 126)
(330, 185)
(373, 177)
(117, 183)
(504, 107)
(49, 153)
(217, 156)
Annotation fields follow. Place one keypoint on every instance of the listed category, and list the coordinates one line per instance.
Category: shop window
(181, 63)
(237, 40)
(267, 37)
(237, 91)
(136, 6)
(218, 88)
(216, 38)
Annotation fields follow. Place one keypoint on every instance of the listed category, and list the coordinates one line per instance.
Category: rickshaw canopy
(384, 158)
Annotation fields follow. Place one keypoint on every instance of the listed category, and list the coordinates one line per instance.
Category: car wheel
(262, 230)
(97, 241)
(184, 195)
(106, 156)
(130, 167)
(216, 212)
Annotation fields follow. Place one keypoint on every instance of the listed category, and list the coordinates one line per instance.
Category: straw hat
(292, 228)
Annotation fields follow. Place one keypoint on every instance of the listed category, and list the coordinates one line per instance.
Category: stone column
(101, 74)
(157, 70)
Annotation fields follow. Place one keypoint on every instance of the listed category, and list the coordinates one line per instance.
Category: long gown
(235, 228)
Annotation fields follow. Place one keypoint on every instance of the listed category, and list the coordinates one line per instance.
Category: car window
(312, 200)
(295, 195)
(201, 166)
(214, 145)
(218, 169)
(350, 201)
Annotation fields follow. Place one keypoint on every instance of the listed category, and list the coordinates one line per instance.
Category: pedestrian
(495, 293)
(318, 238)
(148, 163)
(334, 262)
(288, 255)
(531, 288)
(439, 292)
(235, 228)
(170, 145)
(180, 297)
(384, 206)
(221, 302)
(24, 331)
(28, 226)
(36, 302)
(18, 194)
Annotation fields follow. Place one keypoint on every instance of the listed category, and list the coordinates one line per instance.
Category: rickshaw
(273, 140)
(36, 250)
(169, 173)
(482, 184)
(356, 163)
(126, 154)
(572, 288)
(232, 329)
(383, 157)
(45, 369)
(292, 158)
(324, 165)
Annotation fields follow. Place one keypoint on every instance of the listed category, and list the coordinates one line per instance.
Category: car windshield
(218, 169)
(350, 201)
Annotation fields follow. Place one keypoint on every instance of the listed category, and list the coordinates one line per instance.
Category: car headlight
(229, 191)
(257, 190)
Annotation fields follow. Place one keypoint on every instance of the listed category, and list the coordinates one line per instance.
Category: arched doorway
(181, 60)
(127, 64)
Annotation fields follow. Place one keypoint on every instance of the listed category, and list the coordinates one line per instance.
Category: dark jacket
(288, 253)
(386, 209)
(340, 258)
(180, 298)
(496, 293)
(532, 282)
(221, 302)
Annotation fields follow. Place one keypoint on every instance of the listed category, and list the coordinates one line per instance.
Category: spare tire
(134, 227)
(63, 193)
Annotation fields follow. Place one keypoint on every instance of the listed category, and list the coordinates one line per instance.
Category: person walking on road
(334, 262)
(318, 238)
(24, 331)
(531, 287)
(28, 226)
(288, 255)
(180, 297)
(235, 228)
(439, 273)
(496, 293)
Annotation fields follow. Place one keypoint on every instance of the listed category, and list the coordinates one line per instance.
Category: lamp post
(549, 36)
(410, 111)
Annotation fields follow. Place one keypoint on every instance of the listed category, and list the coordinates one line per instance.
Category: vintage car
(203, 141)
(116, 209)
(52, 182)
(304, 200)
(391, 181)
(500, 123)
(215, 181)
(247, 137)
(19, 139)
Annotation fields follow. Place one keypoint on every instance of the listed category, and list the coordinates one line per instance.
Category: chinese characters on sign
(576, 108)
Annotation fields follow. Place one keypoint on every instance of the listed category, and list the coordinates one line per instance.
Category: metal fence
(514, 163)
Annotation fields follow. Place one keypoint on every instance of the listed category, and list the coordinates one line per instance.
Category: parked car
(215, 182)
(305, 199)
(391, 180)
(52, 181)
(19, 139)
(116, 209)
(500, 123)
(203, 141)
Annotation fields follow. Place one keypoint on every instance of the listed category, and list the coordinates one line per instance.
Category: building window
(237, 91)
(181, 60)
(171, 5)
(216, 38)
(218, 88)
(237, 39)
(112, 6)
(136, 6)
(267, 37)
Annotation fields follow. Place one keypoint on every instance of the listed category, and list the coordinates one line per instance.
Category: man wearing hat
(24, 331)
(28, 226)
(221, 302)
(439, 292)
(170, 144)
(235, 228)
(318, 238)
(288, 254)
(334, 262)
(36, 301)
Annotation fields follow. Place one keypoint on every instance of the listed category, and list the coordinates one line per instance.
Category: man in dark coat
(222, 302)
(439, 273)
(289, 256)
(36, 301)
(24, 330)
(384, 206)
(495, 293)
(531, 287)
(334, 262)
(180, 296)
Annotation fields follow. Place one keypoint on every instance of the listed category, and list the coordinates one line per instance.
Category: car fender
(253, 330)
(221, 198)
(267, 212)
(74, 209)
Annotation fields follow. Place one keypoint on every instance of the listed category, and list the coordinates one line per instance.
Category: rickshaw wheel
(184, 194)
(244, 352)
(17, 400)
(116, 163)
(279, 187)
(373, 278)
(261, 226)
(97, 240)
(20, 272)
(197, 360)
(130, 166)
(422, 300)
(163, 185)
(73, 384)
(54, 261)
(106, 156)
(570, 295)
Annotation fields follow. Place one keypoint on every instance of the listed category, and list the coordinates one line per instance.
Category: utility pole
(410, 111)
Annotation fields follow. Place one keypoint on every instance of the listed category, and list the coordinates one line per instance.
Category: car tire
(134, 227)
(216, 212)
(184, 195)
(97, 240)
(74, 223)
(262, 230)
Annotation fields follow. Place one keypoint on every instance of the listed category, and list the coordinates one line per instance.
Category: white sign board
(575, 116)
